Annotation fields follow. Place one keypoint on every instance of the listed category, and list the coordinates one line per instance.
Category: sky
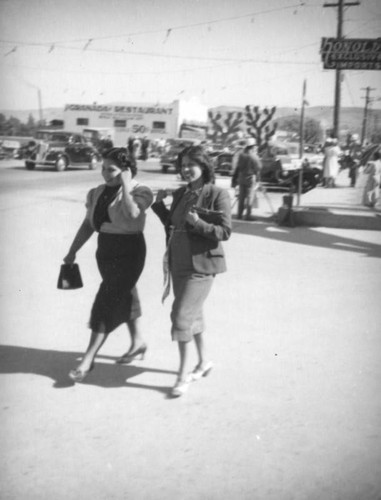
(216, 52)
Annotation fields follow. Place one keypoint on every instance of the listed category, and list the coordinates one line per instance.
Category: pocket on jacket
(215, 252)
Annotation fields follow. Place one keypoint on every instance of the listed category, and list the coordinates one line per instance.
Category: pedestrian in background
(245, 176)
(331, 162)
(371, 193)
(196, 223)
(117, 211)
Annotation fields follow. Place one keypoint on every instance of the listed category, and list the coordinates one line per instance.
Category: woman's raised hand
(126, 176)
(161, 194)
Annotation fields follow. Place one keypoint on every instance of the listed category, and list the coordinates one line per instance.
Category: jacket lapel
(205, 198)
(177, 195)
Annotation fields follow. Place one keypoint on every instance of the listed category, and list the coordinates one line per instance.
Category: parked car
(61, 149)
(168, 160)
(9, 148)
(223, 163)
(280, 167)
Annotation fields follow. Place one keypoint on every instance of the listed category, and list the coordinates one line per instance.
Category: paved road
(290, 412)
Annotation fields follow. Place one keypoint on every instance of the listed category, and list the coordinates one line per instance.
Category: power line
(165, 30)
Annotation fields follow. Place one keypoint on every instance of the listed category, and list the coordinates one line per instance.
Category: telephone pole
(340, 18)
(368, 90)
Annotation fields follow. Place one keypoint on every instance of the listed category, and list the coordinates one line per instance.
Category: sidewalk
(338, 207)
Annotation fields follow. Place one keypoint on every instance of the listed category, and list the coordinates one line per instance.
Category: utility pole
(368, 90)
(301, 141)
(41, 116)
(340, 18)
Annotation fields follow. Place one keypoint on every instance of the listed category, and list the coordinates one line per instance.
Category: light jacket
(120, 221)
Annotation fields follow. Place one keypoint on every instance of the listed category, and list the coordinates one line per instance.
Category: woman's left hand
(192, 217)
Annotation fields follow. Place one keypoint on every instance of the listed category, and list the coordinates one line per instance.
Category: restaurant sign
(354, 53)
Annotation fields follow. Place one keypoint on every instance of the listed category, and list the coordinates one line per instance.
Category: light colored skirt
(190, 290)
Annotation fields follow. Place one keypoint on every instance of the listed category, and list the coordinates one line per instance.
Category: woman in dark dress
(198, 220)
(117, 211)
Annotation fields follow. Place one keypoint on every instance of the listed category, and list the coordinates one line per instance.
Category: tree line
(14, 127)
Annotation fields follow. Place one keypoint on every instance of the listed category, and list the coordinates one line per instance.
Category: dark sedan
(61, 149)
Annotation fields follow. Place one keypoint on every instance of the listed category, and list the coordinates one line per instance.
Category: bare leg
(184, 356)
(96, 342)
(203, 368)
(137, 340)
(200, 346)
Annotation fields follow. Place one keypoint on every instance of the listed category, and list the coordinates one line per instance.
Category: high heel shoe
(78, 376)
(199, 372)
(129, 357)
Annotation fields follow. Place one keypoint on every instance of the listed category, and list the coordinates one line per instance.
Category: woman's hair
(122, 159)
(199, 156)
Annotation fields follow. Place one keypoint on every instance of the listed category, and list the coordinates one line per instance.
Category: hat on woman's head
(250, 142)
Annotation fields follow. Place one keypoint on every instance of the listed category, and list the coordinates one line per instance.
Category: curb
(329, 217)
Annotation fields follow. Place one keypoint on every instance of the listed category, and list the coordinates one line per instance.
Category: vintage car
(168, 160)
(280, 167)
(223, 163)
(61, 149)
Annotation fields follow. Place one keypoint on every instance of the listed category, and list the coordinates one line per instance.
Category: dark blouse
(101, 210)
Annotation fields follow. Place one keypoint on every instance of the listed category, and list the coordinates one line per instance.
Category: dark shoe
(80, 375)
(129, 357)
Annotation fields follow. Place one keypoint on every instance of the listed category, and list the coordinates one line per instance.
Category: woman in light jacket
(195, 254)
(117, 211)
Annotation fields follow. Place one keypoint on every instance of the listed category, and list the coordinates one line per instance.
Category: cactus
(224, 129)
(259, 126)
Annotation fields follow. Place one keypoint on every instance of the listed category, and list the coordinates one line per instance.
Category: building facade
(123, 120)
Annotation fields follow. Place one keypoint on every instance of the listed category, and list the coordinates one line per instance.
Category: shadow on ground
(266, 227)
(57, 364)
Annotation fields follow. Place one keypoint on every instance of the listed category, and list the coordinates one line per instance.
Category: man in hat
(245, 176)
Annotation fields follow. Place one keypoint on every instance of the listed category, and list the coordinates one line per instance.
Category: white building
(122, 120)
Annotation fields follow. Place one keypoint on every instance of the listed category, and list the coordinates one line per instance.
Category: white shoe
(199, 372)
(180, 388)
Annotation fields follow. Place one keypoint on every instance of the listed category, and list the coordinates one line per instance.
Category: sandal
(199, 372)
(180, 388)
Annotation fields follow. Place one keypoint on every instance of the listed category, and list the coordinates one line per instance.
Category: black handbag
(69, 277)
(210, 216)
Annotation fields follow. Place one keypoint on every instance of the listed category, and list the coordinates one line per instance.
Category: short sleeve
(143, 197)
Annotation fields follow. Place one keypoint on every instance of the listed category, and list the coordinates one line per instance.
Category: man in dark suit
(246, 175)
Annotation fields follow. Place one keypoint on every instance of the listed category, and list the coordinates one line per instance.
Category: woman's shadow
(57, 364)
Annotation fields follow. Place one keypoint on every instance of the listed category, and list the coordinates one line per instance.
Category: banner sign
(354, 53)
(128, 110)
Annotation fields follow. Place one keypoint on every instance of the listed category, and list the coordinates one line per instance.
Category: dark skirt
(120, 259)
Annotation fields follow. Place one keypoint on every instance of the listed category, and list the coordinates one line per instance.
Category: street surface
(291, 410)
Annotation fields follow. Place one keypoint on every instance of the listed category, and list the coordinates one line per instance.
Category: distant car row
(280, 164)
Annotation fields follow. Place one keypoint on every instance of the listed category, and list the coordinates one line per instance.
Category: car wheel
(29, 165)
(164, 169)
(61, 164)
(93, 163)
